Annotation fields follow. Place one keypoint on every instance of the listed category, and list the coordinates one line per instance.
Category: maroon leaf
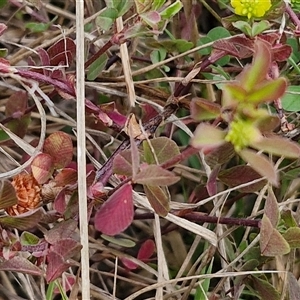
(8, 195)
(202, 109)
(20, 265)
(66, 176)
(16, 103)
(116, 214)
(265, 289)
(59, 146)
(146, 251)
(155, 175)
(271, 208)
(42, 167)
(45, 60)
(239, 175)
(164, 149)
(61, 231)
(281, 52)
(293, 287)
(67, 248)
(207, 136)
(278, 146)
(128, 263)
(56, 266)
(220, 155)
(60, 202)
(122, 163)
(158, 199)
(211, 184)
(62, 52)
(3, 27)
(261, 164)
(272, 242)
(24, 221)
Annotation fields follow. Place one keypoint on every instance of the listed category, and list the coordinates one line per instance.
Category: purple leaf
(116, 214)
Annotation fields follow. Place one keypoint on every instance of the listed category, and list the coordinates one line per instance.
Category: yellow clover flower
(242, 133)
(251, 8)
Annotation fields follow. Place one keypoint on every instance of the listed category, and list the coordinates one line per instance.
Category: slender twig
(201, 218)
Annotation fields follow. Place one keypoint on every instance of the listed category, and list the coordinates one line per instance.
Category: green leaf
(272, 242)
(243, 26)
(258, 70)
(3, 3)
(158, 198)
(127, 243)
(288, 219)
(97, 67)
(37, 27)
(292, 236)
(290, 100)
(171, 10)
(163, 148)
(121, 6)
(107, 18)
(264, 289)
(259, 27)
(268, 91)
(157, 4)
(218, 33)
(28, 239)
(203, 41)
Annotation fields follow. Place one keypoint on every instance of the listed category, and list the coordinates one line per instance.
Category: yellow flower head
(251, 8)
(242, 133)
